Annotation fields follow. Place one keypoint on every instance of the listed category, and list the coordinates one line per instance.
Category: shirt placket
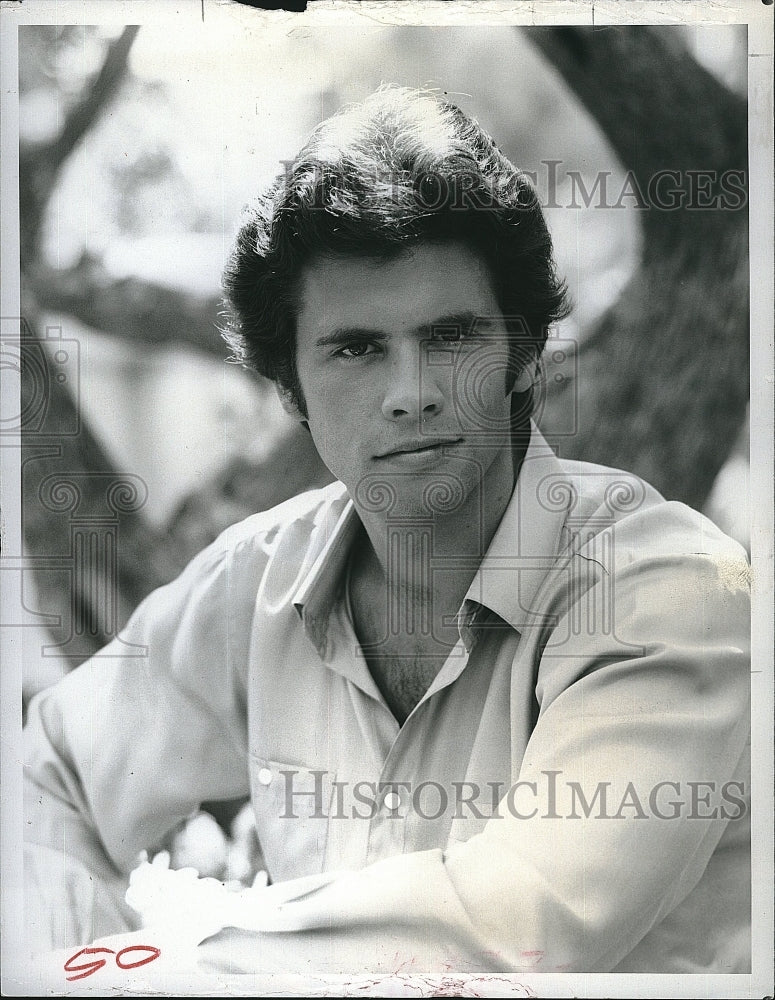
(377, 823)
(396, 786)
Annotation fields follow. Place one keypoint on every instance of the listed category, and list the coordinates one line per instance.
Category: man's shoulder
(293, 524)
(643, 522)
(309, 508)
(228, 572)
(600, 489)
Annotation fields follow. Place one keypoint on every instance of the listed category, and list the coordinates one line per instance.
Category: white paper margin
(759, 18)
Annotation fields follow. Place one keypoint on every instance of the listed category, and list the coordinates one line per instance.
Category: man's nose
(412, 390)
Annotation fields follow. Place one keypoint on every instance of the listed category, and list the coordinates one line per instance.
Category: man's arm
(126, 746)
(558, 892)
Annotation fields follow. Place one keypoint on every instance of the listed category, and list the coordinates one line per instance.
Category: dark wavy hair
(402, 167)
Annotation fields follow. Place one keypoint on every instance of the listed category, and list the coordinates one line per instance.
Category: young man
(491, 707)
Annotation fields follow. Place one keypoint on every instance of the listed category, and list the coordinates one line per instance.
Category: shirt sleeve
(660, 694)
(131, 742)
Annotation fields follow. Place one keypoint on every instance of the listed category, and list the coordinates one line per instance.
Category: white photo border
(759, 18)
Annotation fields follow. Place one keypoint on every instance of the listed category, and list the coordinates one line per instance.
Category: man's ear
(524, 380)
(527, 377)
(287, 402)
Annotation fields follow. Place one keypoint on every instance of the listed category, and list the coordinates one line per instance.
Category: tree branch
(39, 164)
(137, 310)
(98, 93)
(646, 91)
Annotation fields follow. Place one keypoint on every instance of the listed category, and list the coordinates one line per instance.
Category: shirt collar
(524, 547)
(527, 540)
(333, 539)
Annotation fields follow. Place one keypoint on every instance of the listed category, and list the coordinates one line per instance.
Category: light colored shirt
(570, 794)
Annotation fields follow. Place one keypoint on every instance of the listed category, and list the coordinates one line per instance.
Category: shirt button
(392, 800)
(264, 776)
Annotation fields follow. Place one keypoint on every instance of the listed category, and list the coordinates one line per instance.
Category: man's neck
(398, 558)
(404, 593)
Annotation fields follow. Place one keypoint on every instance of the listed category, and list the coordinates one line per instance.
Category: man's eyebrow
(345, 334)
(457, 321)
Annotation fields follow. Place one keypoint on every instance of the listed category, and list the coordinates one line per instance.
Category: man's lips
(418, 444)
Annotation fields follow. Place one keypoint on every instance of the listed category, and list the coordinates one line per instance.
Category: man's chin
(401, 494)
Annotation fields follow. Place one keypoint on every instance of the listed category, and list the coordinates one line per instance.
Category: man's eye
(356, 350)
(449, 334)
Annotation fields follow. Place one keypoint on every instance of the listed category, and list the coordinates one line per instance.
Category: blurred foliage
(56, 60)
(131, 224)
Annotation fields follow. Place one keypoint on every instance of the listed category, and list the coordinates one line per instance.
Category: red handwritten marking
(154, 954)
(89, 968)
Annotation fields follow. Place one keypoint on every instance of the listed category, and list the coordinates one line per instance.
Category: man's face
(402, 364)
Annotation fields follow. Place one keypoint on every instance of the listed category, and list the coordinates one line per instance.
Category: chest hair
(403, 665)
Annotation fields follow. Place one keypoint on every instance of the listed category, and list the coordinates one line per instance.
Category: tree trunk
(94, 553)
(665, 371)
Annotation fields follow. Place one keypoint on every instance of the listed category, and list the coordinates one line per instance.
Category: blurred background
(137, 155)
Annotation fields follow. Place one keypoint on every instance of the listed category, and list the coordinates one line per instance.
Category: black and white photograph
(387, 499)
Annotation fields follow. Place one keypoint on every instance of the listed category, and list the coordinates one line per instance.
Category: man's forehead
(442, 249)
(415, 286)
